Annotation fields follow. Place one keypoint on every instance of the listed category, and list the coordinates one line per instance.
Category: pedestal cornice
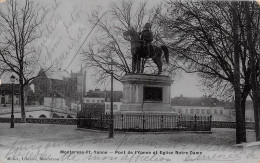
(147, 79)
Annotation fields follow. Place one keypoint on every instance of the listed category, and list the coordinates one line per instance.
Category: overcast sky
(67, 26)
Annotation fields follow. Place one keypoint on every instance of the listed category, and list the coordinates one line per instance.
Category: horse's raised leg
(158, 62)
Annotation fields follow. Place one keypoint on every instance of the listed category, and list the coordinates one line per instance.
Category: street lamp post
(12, 78)
(111, 126)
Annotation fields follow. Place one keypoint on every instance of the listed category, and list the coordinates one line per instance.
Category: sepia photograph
(100, 81)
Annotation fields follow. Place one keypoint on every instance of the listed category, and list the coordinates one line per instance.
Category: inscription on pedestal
(153, 94)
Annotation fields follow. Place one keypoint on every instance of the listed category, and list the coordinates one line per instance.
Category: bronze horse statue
(139, 52)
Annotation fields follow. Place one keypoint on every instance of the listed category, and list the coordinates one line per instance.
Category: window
(202, 111)
(215, 111)
(192, 111)
(93, 101)
(187, 111)
(221, 111)
(114, 106)
(208, 111)
(197, 111)
(173, 109)
(179, 110)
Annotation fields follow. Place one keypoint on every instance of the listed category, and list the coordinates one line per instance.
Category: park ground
(65, 143)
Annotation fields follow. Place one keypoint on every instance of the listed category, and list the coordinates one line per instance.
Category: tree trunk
(23, 116)
(252, 59)
(243, 110)
(256, 115)
(240, 121)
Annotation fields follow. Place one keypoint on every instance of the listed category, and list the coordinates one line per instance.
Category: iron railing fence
(195, 123)
(146, 123)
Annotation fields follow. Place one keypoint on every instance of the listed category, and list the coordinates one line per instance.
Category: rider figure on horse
(147, 36)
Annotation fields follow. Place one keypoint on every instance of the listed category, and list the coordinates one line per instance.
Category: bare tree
(20, 21)
(202, 35)
(252, 37)
(109, 43)
(240, 125)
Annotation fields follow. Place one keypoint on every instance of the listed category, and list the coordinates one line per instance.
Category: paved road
(64, 143)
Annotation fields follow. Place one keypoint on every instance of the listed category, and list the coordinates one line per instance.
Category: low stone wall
(69, 121)
(222, 124)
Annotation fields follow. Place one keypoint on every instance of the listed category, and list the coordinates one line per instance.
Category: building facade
(71, 89)
(205, 106)
(103, 98)
(6, 94)
(218, 113)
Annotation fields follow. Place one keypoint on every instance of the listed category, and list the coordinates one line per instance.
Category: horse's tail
(166, 53)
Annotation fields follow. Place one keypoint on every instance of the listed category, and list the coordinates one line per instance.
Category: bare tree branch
(109, 42)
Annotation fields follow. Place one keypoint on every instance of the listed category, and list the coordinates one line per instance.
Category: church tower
(80, 78)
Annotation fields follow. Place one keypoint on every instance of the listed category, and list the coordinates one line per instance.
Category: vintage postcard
(129, 81)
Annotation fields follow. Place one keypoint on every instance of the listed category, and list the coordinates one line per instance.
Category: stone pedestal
(146, 94)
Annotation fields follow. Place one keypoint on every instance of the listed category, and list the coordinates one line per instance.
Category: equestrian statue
(143, 49)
